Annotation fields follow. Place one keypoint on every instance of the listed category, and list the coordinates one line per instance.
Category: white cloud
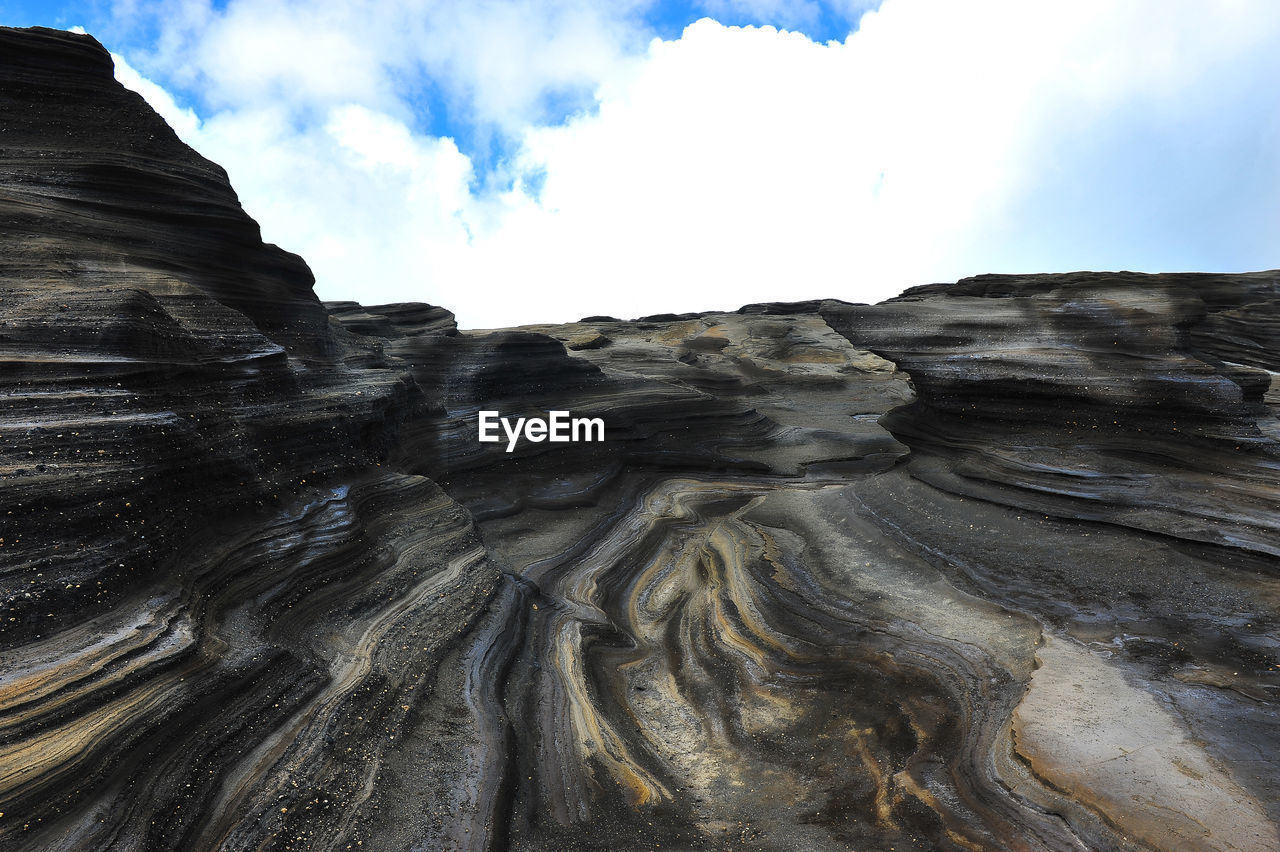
(803, 15)
(498, 59)
(378, 213)
(183, 121)
(735, 165)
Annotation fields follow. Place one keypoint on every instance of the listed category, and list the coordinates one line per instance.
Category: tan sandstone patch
(1114, 747)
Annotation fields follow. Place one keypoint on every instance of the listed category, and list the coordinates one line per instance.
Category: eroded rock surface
(989, 566)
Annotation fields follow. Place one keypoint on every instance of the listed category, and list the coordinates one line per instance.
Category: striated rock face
(1130, 399)
(989, 566)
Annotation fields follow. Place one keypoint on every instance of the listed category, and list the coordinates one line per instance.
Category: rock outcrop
(993, 565)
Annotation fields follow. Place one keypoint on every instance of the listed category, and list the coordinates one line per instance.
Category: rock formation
(993, 565)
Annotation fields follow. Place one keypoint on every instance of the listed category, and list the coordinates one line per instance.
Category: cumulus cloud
(809, 16)
(740, 164)
(183, 120)
(496, 60)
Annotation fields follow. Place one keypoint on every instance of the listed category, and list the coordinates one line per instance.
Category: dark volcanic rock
(989, 566)
(1136, 400)
(98, 189)
(399, 320)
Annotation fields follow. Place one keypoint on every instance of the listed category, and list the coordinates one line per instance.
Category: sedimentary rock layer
(989, 566)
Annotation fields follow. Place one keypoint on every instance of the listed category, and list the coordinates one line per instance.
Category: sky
(524, 161)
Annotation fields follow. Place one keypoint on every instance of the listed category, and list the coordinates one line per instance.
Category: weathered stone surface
(989, 566)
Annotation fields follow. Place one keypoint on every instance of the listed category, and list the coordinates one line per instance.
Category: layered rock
(989, 566)
(1132, 399)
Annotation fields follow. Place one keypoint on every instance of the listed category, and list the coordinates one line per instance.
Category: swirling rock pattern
(989, 566)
